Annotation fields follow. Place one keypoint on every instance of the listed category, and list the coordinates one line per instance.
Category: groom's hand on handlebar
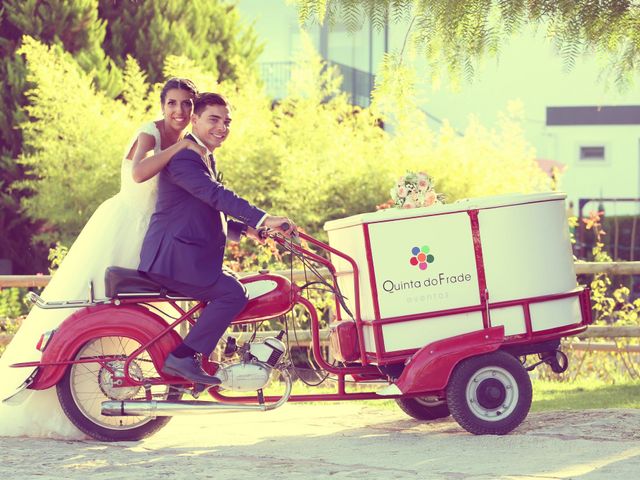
(260, 235)
(281, 224)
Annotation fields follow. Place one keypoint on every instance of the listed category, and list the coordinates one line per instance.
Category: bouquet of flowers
(415, 190)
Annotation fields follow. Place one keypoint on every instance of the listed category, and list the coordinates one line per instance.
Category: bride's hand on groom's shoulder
(199, 149)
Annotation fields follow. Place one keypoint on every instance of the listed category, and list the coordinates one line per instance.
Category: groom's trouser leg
(227, 297)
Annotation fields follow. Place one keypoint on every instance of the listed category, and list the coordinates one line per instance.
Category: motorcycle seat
(126, 282)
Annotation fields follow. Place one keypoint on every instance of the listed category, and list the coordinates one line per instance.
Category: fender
(430, 367)
(132, 321)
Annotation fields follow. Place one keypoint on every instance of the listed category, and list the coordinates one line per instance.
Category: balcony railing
(355, 83)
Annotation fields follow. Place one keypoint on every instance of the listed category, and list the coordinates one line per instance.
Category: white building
(601, 148)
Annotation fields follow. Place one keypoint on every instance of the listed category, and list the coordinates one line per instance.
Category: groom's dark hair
(205, 99)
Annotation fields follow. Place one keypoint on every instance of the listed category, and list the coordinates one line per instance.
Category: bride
(112, 236)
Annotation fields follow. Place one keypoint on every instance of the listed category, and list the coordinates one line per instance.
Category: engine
(253, 371)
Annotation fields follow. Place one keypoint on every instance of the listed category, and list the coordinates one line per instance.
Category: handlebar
(265, 233)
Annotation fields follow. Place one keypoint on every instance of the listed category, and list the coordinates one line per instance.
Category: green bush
(612, 305)
(74, 141)
(313, 156)
(12, 304)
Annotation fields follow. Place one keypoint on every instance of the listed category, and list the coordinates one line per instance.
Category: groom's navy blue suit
(184, 245)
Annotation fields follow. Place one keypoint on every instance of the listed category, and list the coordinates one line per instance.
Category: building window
(592, 154)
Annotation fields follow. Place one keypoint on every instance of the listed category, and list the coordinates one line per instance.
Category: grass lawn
(584, 394)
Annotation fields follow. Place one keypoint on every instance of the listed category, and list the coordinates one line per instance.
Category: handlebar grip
(264, 232)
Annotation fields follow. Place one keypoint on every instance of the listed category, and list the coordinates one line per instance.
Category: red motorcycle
(105, 359)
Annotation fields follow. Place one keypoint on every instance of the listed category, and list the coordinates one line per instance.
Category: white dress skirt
(112, 236)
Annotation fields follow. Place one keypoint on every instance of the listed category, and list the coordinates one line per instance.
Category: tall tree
(458, 33)
(207, 31)
(76, 136)
(101, 36)
(74, 24)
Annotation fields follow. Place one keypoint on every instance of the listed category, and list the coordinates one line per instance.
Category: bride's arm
(146, 164)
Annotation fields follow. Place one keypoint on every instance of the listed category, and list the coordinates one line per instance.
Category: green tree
(456, 34)
(74, 138)
(150, 30)
(315, 157)
(75, 25)
(208, 32)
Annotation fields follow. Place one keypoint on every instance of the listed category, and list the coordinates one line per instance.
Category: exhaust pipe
(166, 408)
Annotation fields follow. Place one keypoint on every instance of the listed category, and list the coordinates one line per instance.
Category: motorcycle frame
(427, 369)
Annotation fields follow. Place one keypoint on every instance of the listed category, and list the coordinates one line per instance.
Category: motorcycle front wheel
(85, 386)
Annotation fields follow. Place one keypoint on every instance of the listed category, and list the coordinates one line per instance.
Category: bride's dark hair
(180, 84)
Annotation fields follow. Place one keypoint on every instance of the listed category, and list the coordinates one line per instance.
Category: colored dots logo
(421, 257)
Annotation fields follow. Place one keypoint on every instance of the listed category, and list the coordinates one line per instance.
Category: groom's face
(212, 125)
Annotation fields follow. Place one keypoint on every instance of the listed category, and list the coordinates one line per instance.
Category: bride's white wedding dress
(112, 236)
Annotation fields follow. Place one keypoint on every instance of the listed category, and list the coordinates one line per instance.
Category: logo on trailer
(421, 257)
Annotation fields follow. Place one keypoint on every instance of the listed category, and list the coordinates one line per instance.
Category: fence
(357, 84)
(582, 268)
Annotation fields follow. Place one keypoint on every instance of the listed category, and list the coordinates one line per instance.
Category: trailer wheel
(423, 408)
(489, 394)
(85, 386)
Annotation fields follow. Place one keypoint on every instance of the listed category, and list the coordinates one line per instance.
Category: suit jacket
(187, 233)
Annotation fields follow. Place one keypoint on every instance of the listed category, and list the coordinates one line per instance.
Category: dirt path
(344, 441)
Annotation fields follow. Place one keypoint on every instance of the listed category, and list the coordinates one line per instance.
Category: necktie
(216, 174)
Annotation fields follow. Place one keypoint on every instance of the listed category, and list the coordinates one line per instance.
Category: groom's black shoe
(188, 368)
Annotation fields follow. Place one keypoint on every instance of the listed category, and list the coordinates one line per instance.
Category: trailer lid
(464, 204)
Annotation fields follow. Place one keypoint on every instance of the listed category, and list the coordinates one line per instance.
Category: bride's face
(177, 109)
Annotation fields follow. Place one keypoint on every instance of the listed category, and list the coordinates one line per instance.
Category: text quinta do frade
(390, 286)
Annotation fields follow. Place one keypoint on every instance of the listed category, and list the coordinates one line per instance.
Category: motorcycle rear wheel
(489, 394)
(85, 386)
(423, 408)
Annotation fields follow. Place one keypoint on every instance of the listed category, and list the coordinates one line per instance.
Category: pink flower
(414, 190)
(430, 199)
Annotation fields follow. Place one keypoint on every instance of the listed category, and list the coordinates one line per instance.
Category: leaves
(135, 91)
(314, 156)
(209, 32)
(74, 140)
(456, 35)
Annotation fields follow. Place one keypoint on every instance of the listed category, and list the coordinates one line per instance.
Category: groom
(184, 245)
